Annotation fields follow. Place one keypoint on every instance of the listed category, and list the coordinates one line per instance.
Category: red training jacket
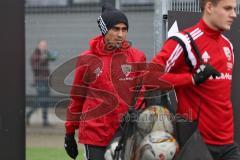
(99, 127)
(213, 97)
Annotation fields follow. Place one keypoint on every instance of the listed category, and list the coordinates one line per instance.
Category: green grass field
(37, 153)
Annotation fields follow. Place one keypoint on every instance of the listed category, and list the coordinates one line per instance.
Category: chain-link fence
(72, 6)
(68, 25)
(52, 6)
(62, 29)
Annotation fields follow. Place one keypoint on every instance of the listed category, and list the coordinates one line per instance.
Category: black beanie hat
(110, 17)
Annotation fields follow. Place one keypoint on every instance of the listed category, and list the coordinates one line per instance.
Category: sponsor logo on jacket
(98, 72)
(224, 76)
(227, 52)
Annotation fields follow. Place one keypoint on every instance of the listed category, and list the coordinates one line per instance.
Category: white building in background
(132, 2)
(46, 2)
(65, 2)
(86, 1)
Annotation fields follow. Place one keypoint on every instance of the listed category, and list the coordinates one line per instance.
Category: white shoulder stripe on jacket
(178, 49)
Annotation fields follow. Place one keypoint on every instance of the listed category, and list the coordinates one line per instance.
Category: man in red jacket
(207, 86)
(93, 87)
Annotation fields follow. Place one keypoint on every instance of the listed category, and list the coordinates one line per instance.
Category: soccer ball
(158, 145)
(109, 154)
(110, 151)
(155, 118)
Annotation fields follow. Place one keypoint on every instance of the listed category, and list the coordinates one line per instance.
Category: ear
(209, 7)
(106, 38)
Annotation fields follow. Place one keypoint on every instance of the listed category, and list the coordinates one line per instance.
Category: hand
(204, 72)
(70, 145)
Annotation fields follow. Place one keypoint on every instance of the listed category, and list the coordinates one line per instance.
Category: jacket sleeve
(76, 103)
(171, 58)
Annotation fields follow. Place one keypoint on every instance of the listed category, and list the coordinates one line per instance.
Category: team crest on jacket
(205, 57)
(126, 69)
(227, 53)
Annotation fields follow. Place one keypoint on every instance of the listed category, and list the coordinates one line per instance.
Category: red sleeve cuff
(70, 127)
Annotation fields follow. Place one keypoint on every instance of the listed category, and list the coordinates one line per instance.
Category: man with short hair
(40, 66)
(95, 74)
(203, 83)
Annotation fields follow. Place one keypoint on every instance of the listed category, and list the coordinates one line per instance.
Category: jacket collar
(97, 45)
(207, 30)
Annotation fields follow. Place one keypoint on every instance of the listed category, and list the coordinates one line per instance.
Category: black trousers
(225, 152)
(94, 152)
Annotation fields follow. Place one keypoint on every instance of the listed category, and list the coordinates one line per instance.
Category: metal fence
(68, 25)
(184, 5)
(67, 28)
(73, 6)
(68, 6)
(161, 8)
(190, 5)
